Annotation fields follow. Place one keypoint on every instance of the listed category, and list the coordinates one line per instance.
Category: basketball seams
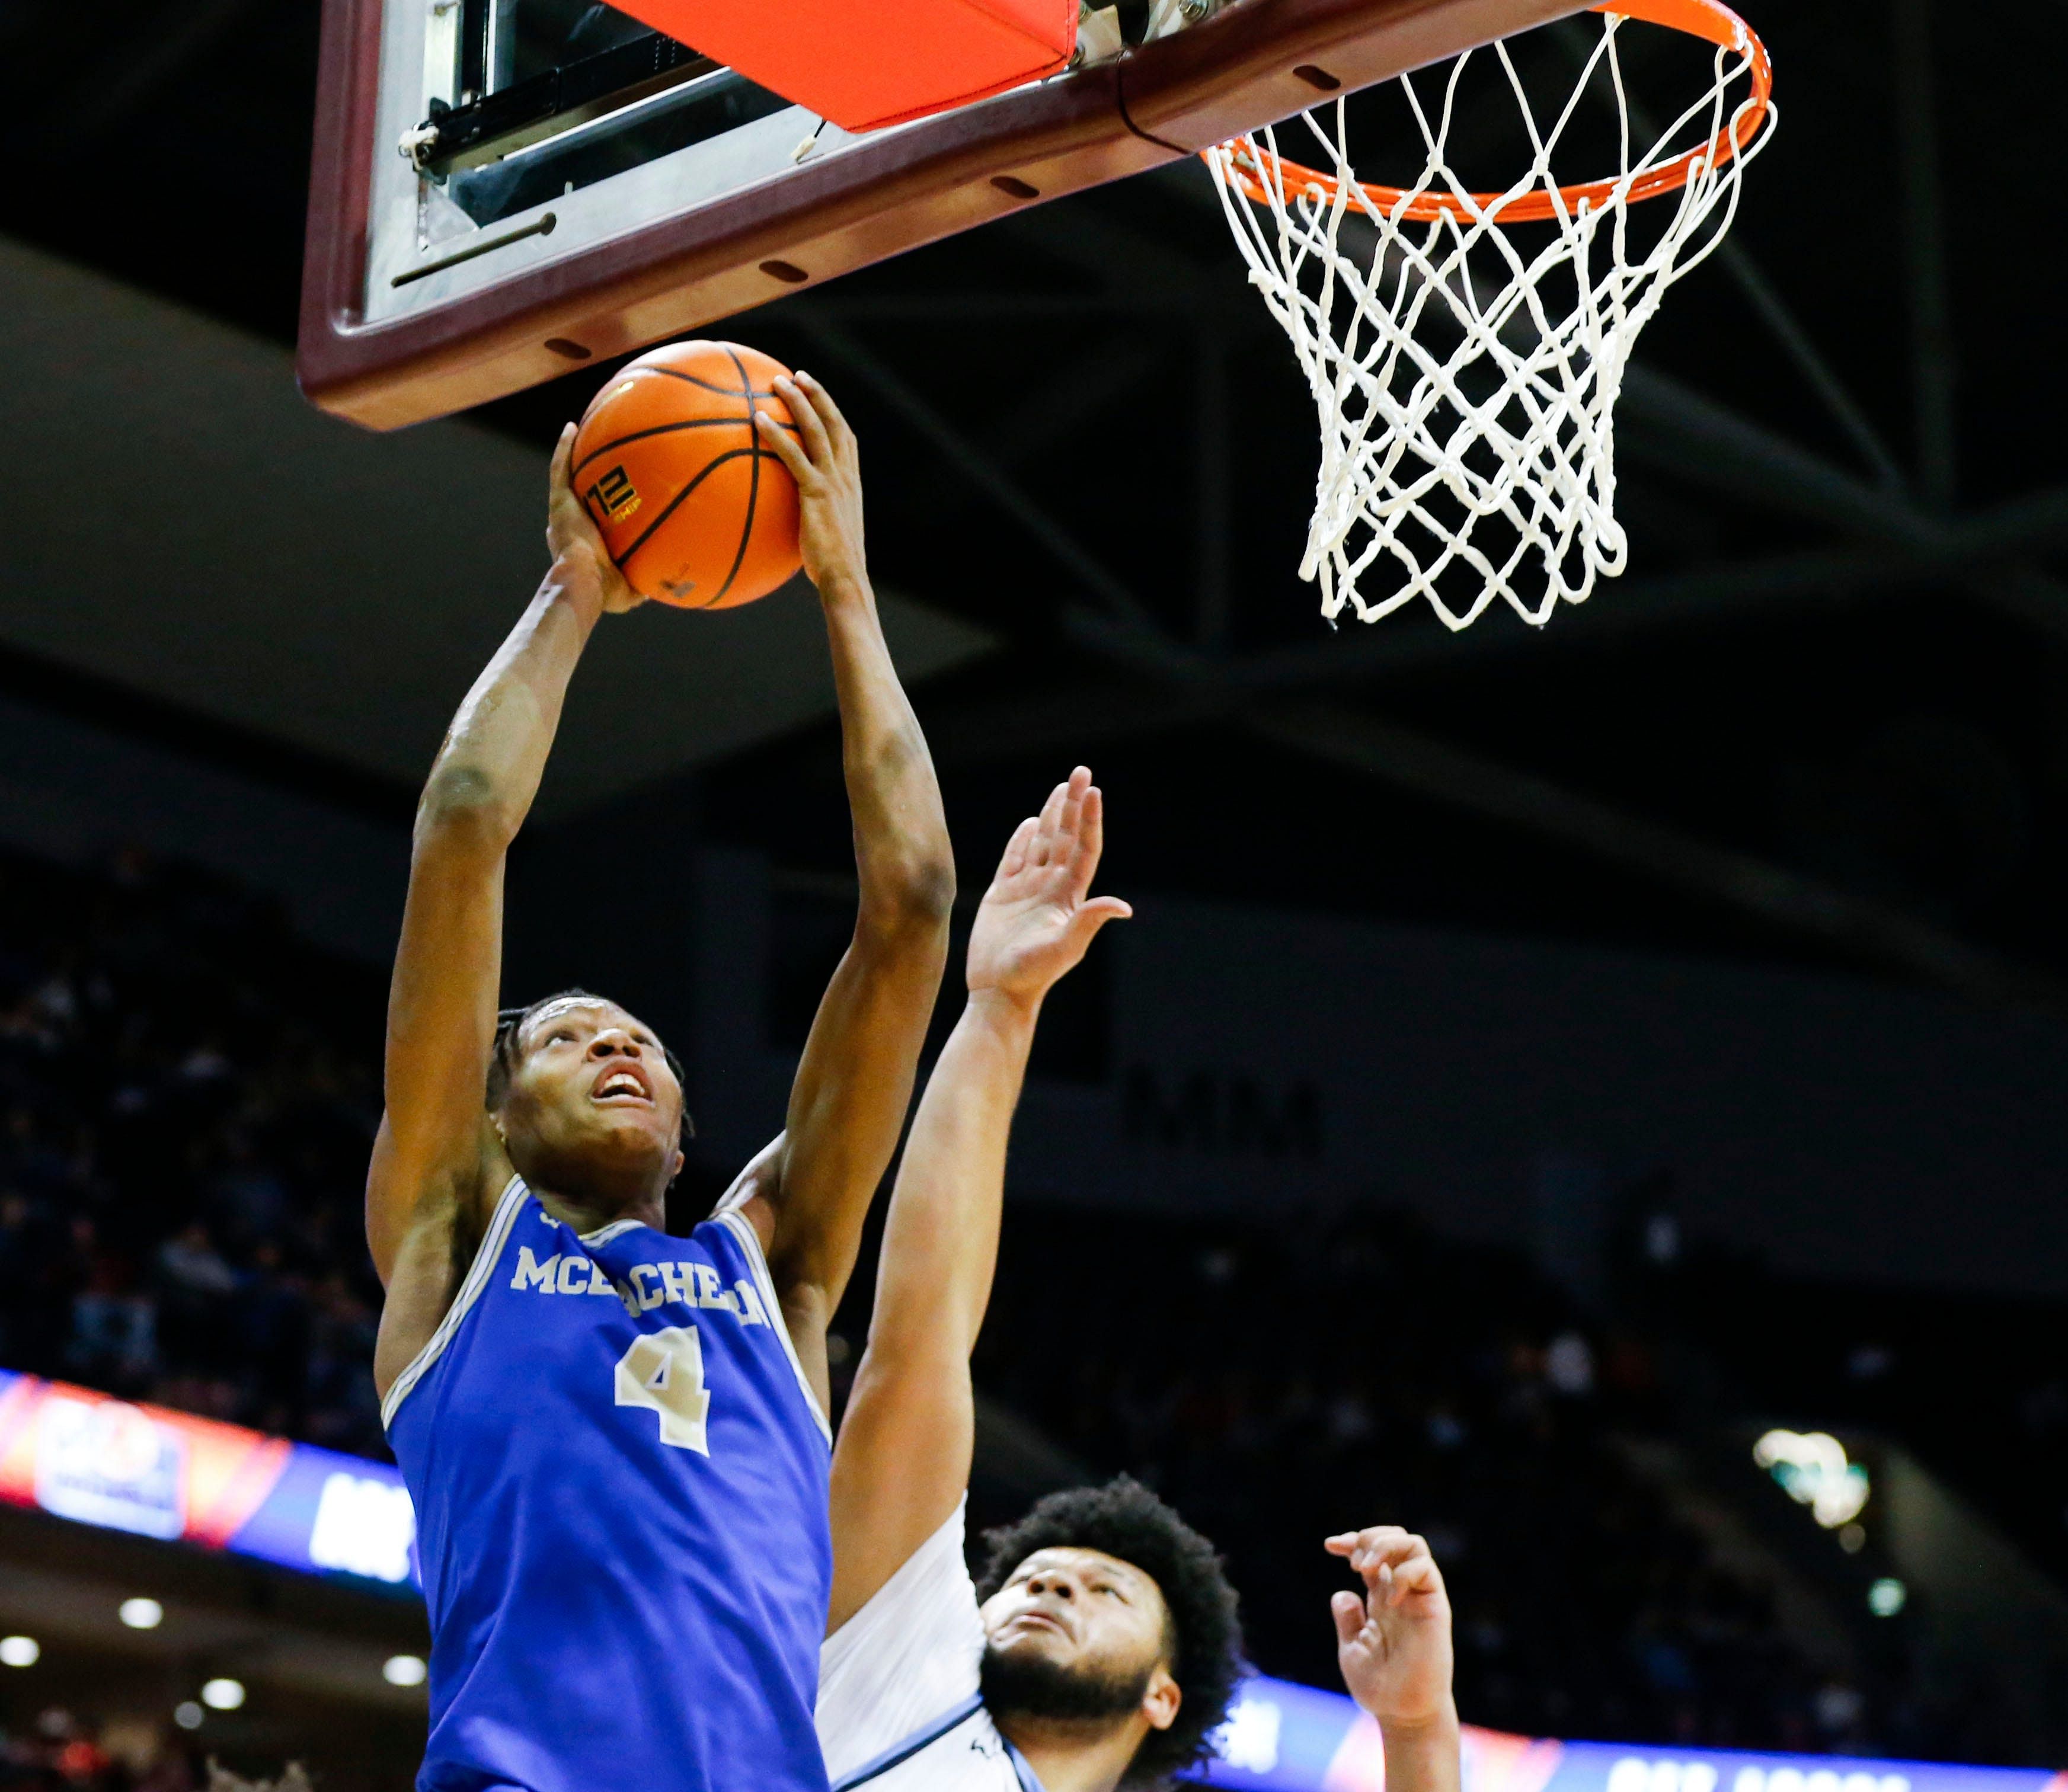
(661, 429)
(757, 453)
(675, 503)
(690, 378)
(754, 477)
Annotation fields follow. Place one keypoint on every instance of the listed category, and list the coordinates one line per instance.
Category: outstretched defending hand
(1393, 1644)
(572, 537)
(1036, 920)
(825, 460)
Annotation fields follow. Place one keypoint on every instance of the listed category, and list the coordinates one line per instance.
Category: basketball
(696, 510)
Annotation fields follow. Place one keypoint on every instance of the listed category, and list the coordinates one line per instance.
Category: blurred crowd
(187, 1099)
(60, 1752)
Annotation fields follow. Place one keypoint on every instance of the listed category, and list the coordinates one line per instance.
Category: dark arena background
(1596, 1096)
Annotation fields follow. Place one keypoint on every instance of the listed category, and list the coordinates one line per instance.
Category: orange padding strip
(864, 66)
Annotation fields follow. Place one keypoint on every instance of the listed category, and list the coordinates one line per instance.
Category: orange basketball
(694, 508)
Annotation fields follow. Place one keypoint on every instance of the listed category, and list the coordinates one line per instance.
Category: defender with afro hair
(1202, 1631)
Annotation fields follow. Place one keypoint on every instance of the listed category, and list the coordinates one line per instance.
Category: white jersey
(898, 1706)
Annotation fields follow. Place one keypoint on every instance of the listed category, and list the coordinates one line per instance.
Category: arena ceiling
(1821, 718)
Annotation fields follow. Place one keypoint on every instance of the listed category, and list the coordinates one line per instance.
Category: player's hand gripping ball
(694, 508)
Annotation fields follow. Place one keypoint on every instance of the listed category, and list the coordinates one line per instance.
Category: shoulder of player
(440, 1216)
(450, 1188)
(756, 1191)
(758, 1213)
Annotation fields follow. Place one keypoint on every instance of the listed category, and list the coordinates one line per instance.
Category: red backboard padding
(864, 65)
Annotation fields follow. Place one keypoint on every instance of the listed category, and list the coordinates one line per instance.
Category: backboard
(503, 189)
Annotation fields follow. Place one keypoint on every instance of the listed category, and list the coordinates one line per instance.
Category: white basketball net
(1466, 377)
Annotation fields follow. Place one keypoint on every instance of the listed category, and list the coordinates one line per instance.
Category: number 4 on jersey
(663, 1371)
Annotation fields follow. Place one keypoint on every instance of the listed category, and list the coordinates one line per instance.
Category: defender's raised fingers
(563, 455)
(1388, 1553)
(1085, 837)
(1046, 847)
(1091, 830)
(1419, 1573)
(1014, 857)
(1348, 1611)
(1067, 822)
(1093, 915)
(1348, 1542)
(1373, 1556)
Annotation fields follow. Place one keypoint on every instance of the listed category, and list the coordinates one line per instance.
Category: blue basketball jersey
(620, 1476)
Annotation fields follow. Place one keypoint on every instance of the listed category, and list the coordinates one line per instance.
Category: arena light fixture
(1888, 1596)
(20, 1651)
(1812, 1468)
(187, 1715)
(403, 1670)
(142, 1614)
(222, 1694)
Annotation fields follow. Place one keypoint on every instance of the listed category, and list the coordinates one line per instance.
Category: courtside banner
(103, 1461)
(1283, 1738)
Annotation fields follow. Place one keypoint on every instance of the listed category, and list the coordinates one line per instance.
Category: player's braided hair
(1203, 1638)
(509, 1027)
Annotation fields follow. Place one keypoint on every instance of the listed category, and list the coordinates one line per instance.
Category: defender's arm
(1393, 1646)
(854, 1082)
(426, 1185)
(903, 1457)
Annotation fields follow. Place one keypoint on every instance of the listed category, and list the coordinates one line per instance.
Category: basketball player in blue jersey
(1099, 1646)
(615, 1439)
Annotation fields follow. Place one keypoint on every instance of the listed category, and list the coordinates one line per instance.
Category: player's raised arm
(854, 1082)
(1393, 1646)
(433, 1155)
(903, 1457)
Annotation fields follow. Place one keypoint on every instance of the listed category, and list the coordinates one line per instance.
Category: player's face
(591, 1092)
(1090, 1615)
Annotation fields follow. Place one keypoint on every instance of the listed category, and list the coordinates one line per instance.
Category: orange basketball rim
(1708, 19)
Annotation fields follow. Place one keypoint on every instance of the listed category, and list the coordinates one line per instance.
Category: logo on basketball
(699, 513)
(614, 495)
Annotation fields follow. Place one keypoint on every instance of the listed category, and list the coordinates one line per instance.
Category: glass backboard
(503, 189)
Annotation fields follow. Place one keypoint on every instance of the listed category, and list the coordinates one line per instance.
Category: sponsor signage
(1283, 1738)
(101, 1460)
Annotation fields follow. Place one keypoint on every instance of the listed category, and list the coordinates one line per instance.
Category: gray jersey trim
(604, 1234)
(484, 1259)
(741, 1228)
(899, 1752)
